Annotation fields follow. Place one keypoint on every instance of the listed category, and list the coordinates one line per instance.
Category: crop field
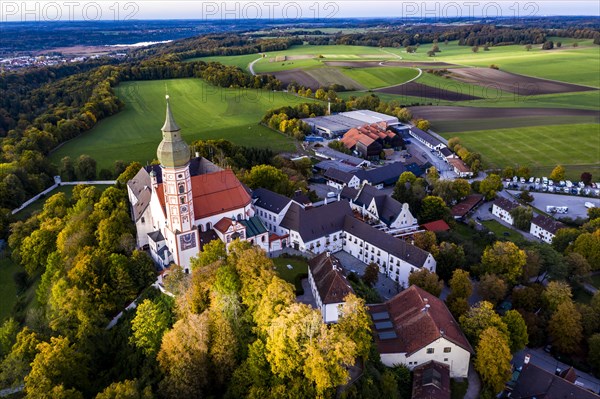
(380, 76)
(576, 146)
(201, 110)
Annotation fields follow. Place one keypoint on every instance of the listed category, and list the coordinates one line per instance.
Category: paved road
(547, 362)
(423, 153)
(575, 203)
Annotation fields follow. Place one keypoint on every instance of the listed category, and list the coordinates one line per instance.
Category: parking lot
(574, 203)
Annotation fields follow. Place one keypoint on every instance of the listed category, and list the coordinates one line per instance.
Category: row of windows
(446, 350)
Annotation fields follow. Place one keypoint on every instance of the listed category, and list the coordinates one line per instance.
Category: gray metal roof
(269, 200)
(317, 222)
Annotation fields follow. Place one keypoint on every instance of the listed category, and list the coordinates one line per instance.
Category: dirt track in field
(439, 113)
(415, 89)
(512, 82)
(369, 64)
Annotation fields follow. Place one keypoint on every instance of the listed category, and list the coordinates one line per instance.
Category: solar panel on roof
(383, 325)
(381, 316)
(387, 335)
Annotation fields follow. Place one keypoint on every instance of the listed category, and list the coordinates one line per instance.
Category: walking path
(251, 65)
(474, 383)
(57, 184)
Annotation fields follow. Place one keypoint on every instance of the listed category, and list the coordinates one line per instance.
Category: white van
(589, 205)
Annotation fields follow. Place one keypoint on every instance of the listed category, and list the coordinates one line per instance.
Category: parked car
(562, 183)
(523, 180)
(537, 180)
(531, 179)
(569, 183)
(331, 194)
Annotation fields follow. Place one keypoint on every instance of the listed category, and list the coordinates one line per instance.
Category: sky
(50, 10)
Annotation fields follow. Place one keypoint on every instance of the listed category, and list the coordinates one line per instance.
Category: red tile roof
(214, 193)
(459, 165)
(466, 205)
(331, 283)
(223, 224)
(431, 380)
(415, 325)
(366, 134)
(437, 225)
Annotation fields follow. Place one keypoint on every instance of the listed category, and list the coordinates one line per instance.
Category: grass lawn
(377, 77)
(201, 110)
(499, 230)
(299, 267)
(8, 289)
(541, 147)
(240, 61)
(39, 204)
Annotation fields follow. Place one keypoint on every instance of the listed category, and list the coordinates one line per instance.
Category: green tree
(269, 177)
(564, 238)
(565, 328)
(85, 168)
(57, 368)
(429, 281)
(423, 124)
(17, 364)
(212, 252)
(522, 217)
(67, 169)
(426, 240)
(558, 173)
(371, 274)
(461, 187)
(588, 245)
(593, 213)
(504, 259)
(129, 173)
(148, 326)
(492, 361)
(594, 352)
(433, 208)
(578, 266)
(8, 336)
(127, 389)
(517, 330)
(492, 288)
(526, 197)
(449, 257)
(480, 317)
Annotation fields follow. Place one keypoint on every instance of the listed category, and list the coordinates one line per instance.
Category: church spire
(170, 125)
(172, 151)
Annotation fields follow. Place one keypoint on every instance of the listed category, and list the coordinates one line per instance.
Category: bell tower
(174, 156)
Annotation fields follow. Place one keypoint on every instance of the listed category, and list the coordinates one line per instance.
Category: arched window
(239, 216)
(182, 200)
(208, 226)
(181, 188)
(201, 228)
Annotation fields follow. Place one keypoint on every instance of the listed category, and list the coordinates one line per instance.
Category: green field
(502, 232)
(201, 110)
(575, 146)
(299, 267)
(377, 77)
(8, 289)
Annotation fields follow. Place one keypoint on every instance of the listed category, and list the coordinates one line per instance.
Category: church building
(184, 203)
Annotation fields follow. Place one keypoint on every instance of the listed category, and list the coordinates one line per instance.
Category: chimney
(328, 254)
(197, 154)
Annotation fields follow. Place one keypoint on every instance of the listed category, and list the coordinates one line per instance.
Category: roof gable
(329, 279)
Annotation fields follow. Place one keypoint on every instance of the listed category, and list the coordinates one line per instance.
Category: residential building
(460, 168)
(339, 179)
(545, 228)
(271, 207)
(414, 328)
(375, 205)
(328, 285)
(382, 176)
(429, 140)
(431, 381)
(502, 207)
(466, 206)
(370, 140)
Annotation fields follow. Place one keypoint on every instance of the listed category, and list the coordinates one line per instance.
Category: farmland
(540, 147)
(201, 110)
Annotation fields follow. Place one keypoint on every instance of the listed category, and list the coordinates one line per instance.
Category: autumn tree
(492, 288)
(58, 368)
(355, 323)
(127, 389)
(492, 361)
(427, 280)
(183, 358)
(588, 245)
(371, 274)
(490, 186)
(558, 173)
(269, 177)
(17, 363)
(129, 173)
(565, 328)
(517, 330)
(504, 259)
(461, 289)
(426, 240)
(556, 292)
(480, 317)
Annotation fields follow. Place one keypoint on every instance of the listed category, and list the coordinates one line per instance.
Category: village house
(328, 285)
(460, 168)
(502, 207)
(339, 179)
(431, 381)
(430, 141)
(545, 228)
(414, 328)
